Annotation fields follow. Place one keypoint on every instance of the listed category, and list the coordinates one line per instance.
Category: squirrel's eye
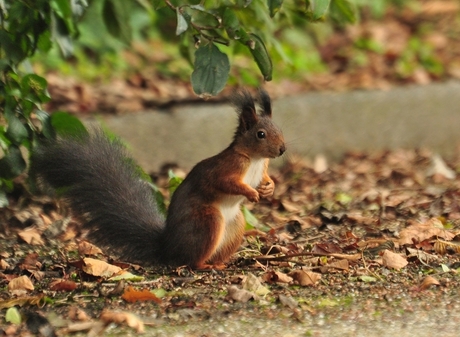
(260, 134)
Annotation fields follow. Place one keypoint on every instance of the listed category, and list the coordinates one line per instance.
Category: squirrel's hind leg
(231, 240)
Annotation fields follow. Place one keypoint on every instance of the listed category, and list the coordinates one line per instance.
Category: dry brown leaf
(132, 295)
(393, 260)
(350, 257)
(439, 167)
(3, 264)
(424, 231)
(26, 300)
(95, 327)
(253, 284)
(304, 277)
(31, 236)
(340, 265)
(320, 164)
(240, 295)
(422, 256)
(127, 318)
(86, 248)
(30, 262)
(427, 282)
(99, 268)
(441, 246)
(273, 276)
(21, 283)
(288, 301)
(77, 314)
(290, 206)
(63, 285)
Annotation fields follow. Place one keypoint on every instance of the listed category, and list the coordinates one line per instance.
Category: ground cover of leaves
(371, 238)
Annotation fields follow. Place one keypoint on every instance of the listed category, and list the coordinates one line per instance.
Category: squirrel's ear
(246, 109)
(265, 102)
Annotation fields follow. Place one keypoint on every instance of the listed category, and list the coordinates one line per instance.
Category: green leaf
(231, 23)
(45, 119)
(174, 182)
(62, 8)
(33, 87)
(157, 4)
(343, 11)
(116, 15)
(128, 277)
(4, 141)
(251, 220)
(16, 131)
(67, 125)
(13, 316)
(261, 56)
(367, 279)
(318, 8)
(12, 164)
(201, 17)
(3, 198)
(274, 6)
(44, 42)
(211, 70)
(11, 48)
(60, 34)
(182, 24)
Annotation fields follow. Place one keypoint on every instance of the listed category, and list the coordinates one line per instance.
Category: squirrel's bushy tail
(102, 185)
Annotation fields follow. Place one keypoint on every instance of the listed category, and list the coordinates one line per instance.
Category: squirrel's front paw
(266, 189)
(253, 196)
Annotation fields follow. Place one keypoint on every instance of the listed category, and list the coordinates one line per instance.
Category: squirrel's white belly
(230, 206)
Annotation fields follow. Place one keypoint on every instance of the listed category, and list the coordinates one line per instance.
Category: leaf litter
(382, 226)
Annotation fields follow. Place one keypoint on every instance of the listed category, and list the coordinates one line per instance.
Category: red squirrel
(204, 226)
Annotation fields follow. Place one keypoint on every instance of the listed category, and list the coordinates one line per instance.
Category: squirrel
(204, 225)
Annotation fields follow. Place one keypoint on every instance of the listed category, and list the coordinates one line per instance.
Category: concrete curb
(327, 122)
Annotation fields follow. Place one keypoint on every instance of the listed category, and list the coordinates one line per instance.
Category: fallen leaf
(439, 167)
(320, 164)
(125, 275)
(367, 278)
(424, 231)
(13, 316)
(252, 283)
(240, 295)
(21, 283)
(132, 295)
(77, 314)
(305, 278)
(393, 260)
(421, 255)
(21, 301)
(4, 265)
(326, 248)
(340, 265)
(86, 248)
(427, 282)
(99, 268)
(273, 276)
(288, 301)
(63, 285)
(31, 236)
(127, 318)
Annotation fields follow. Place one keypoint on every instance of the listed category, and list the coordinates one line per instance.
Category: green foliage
(252, 24)
(25, 28)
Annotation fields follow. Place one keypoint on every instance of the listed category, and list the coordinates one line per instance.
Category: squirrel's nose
(282, 149)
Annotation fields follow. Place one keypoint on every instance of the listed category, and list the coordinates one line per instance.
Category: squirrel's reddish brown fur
(204, 226)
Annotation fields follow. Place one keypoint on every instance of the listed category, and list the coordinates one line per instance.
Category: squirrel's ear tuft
(265, 102)
(244, 104)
